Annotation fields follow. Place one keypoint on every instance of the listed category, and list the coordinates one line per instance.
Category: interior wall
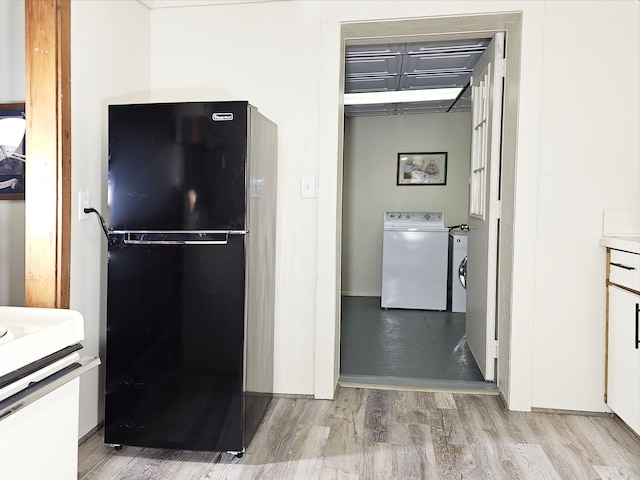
(107, 66)
(371, 147)
(589, 162)
(12, 89)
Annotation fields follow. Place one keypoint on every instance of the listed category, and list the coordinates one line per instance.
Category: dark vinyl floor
(392, 345)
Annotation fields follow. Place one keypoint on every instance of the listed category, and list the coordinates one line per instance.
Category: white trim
(330, 180)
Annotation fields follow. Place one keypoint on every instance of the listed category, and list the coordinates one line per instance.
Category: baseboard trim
(360, 294)
(90, 433)
(583, 413)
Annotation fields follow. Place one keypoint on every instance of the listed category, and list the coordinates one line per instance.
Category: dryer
(414, 261)
(458, 270)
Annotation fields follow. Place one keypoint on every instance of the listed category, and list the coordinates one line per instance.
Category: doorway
(399, 345)
(334, 38)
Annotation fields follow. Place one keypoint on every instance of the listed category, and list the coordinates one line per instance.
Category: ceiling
(411, 66)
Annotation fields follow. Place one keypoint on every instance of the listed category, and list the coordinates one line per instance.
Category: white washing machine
(458, 273)
(414, 261)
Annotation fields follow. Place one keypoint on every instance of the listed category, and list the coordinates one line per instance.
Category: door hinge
(501, 68)
(492, 349)
(496, 209)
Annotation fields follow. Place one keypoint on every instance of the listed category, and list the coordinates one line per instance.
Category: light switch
(307, 187)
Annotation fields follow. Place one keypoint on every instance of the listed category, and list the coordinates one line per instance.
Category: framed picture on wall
(12, 170)
(426, 168)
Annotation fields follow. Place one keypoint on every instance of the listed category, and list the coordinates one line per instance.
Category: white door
(484, 206)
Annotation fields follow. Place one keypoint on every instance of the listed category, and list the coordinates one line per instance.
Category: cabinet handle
(637, 325)
(626, 267)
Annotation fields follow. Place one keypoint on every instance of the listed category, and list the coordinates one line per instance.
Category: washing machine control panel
(404, 220)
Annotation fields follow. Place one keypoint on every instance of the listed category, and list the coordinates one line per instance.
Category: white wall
(12, 89)
(110, 58)
(589, 161)
(371, 146)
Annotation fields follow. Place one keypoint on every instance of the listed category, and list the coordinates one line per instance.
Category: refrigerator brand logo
(222, 117)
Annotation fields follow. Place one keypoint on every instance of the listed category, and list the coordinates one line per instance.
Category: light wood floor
(382, 434)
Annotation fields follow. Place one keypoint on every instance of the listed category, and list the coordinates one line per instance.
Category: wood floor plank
(616, 445)
(611, 473)
(414, 407)
(311, 441)
(376, 416)
(423, 443)
(513, 425)
(453, 456)
(444, 400)
(369, 434)
(534, 462)
(571, 455)
(487, 442)
(281, 429)
(344, 445)
(224, 466)
(376, 461)
(571, 461)
(328, 474)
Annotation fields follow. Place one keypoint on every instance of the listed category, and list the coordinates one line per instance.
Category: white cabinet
(623, 336)
(623, 389)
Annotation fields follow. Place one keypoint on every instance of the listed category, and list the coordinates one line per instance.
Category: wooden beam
(48, 151)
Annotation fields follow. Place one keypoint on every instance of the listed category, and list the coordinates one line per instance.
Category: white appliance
(39, 391)
(414, 261)
(458, 272)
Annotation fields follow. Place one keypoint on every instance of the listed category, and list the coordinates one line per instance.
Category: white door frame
(334, 36)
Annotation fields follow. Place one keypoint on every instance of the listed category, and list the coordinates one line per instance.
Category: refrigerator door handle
(174, 238)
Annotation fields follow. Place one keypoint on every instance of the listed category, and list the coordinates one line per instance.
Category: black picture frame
(421, 168)
(12, 170)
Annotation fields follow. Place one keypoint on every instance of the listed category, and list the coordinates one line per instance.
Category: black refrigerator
(190, 288)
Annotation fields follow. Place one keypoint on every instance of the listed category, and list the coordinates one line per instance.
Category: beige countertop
(627, 244)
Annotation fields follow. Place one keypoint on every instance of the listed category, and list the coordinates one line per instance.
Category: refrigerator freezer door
(178, 166)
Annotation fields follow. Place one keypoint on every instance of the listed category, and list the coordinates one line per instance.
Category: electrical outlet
(84, 201)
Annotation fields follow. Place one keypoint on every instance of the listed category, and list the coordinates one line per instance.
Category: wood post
(48, 152)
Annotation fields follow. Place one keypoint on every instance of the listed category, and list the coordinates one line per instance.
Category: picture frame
(12, 170)
(421, 168)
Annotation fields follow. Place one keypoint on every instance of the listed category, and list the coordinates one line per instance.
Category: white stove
(34, 333)
(40, 366)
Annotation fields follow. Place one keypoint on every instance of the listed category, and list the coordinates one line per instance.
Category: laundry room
(369, 187)
(384, 342)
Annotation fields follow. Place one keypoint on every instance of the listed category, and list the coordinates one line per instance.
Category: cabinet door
(623, 392)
